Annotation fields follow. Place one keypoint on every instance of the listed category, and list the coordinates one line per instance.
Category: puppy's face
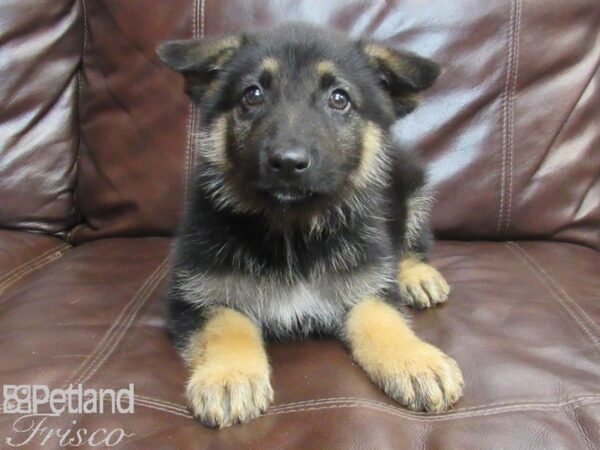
(297, 117)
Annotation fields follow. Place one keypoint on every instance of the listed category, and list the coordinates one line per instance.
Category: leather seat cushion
(22, 253)
(522, 321)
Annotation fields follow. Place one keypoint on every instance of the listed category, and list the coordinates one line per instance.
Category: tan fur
(229, 379)
(409, 370)
(378, 54)
(410, 100)
(421, 285)
(212, 142)
(371, 156)
(325, 67)
(212, 88)
(270, 64)
(223, 49)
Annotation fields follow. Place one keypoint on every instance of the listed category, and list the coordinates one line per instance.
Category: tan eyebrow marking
(270, 64)
(376, 52)
(325, 68)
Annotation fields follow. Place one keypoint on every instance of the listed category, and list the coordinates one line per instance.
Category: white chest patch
(281, 308)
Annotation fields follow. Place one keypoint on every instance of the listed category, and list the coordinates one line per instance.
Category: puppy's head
(295, 118)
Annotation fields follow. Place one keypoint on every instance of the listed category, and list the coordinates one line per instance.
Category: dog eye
(253, 96)
(339, 100)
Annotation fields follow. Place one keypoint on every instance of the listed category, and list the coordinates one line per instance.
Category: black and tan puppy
(305, 218)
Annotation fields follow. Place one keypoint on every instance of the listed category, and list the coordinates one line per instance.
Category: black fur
(323, 229)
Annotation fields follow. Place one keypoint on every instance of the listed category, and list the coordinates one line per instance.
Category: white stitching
(558, 287)
(512, 93)
(451, 416)
(123, 317)
(192, 111)
(503, 108)
(420, 417)
(7, 277)
(156, 277)
(577, 402)
(36, 263)
(169, 411)
(507, 118)
(360, 401)
(483, 407)
(202, 19)
(521, 254)
(162, 403)
(117, 339)
(159, 401)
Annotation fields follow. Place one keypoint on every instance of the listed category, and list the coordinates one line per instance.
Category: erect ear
(402, 74)
(199, 60)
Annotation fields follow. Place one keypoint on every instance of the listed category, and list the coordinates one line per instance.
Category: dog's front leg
(409, 370)
(229, 380)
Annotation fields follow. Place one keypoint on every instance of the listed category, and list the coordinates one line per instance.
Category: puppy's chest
(285, 308)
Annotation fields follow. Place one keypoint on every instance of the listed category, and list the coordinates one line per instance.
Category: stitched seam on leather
(466, 411)
(508, 118)
(455, 416)
(161, 402)
(354, 400)
(118, 328)
(559, 289)
(503, 127)
(141, 297)
(125, 327)
(119, 332)
(194, 149)
(192, 111)
(24, 265)
(30, 266)
(156, 406)
(511, 147)
(381, 407)
(469, 410)
(531, 264)
(202, 20)
(140, 399)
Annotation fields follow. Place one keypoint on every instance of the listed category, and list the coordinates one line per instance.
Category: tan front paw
(421, 377)
(222, 399)
(411, 371)
(421, 285)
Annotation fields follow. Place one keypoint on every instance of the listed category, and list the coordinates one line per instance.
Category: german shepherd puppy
(304, 217)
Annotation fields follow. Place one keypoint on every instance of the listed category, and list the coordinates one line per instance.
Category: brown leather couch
(96, 149)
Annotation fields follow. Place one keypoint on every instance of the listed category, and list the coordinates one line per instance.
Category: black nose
(291, 161)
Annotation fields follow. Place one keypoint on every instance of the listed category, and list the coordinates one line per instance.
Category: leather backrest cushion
(40, 48)
(134, 120)
(510, 132)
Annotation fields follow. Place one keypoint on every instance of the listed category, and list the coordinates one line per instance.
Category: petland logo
(37, 403)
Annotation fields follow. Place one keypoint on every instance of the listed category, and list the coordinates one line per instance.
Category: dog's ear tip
(167, 48)
(173, 54)
(165, 52)
(430, 72)
(162, 50)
